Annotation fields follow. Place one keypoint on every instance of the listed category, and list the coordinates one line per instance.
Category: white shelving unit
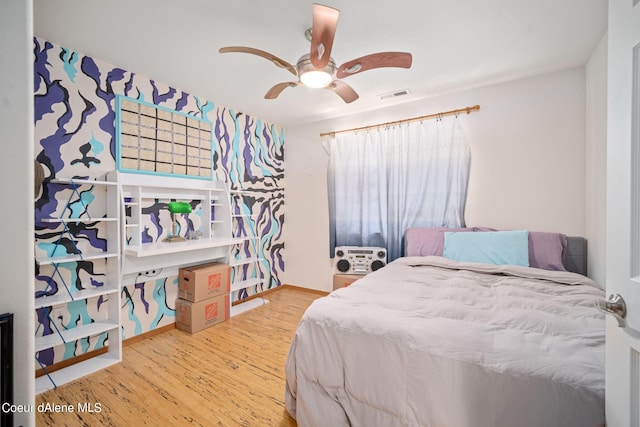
(139, 190)
(70, 292)
(246, 269)
(127, 256)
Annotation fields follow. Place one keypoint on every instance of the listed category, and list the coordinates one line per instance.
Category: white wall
(596, 162)
(16, 175)
(527, 169)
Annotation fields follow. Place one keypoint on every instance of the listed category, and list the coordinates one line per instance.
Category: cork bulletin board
(157, 140)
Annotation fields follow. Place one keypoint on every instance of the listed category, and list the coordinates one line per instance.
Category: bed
(431, 340)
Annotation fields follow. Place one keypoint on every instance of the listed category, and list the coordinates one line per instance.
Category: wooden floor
(231, 374)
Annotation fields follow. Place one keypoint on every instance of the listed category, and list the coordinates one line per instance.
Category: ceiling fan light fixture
(316, 79)
(313, 78)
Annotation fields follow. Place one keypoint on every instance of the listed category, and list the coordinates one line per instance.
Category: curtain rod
(428, 116)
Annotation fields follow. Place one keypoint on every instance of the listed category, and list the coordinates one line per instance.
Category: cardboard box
(344, 280)
(203, 281)
(195, 316)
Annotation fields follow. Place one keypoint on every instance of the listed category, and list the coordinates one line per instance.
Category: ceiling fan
(317, 69)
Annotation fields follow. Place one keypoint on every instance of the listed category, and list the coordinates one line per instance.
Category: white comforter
(427, 341)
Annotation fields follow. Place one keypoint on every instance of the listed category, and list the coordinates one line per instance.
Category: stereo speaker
(359, 260)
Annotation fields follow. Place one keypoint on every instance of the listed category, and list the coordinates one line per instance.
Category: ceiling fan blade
(266, 55)
(275, 91)
(343, 90)
(325, 22)
(375, 60)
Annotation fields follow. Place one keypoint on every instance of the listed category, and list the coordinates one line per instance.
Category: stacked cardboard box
(203, 296)
(344, 280)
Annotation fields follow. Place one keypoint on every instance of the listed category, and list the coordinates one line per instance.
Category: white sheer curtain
(384, 181)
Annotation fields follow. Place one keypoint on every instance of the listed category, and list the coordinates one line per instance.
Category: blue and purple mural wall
(75, 129)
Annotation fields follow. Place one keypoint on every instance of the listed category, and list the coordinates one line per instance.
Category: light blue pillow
(489, 247)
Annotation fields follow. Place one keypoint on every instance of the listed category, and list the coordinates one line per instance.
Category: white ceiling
(455, 44)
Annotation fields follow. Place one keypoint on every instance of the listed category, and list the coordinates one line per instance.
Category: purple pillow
(427, 241)
(546, 250)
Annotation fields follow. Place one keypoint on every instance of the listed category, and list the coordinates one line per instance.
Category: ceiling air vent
(395, 94)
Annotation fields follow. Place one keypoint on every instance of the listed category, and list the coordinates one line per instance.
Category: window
(383, 181)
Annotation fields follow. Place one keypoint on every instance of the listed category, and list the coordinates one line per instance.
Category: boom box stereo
(359, 260)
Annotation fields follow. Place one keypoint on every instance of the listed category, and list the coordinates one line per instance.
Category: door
(623, 212)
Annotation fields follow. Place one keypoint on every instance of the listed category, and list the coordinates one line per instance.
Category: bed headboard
(430, 241)
(575, 257)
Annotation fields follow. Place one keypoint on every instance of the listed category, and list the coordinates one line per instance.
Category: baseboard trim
(277, 288)
(258, 295)
(93, 353)
(300, 288)
(148, 334)
(68, 362)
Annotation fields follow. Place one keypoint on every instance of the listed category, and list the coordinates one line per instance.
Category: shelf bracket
(46, 372)
(74, 186)
(56, 270)
(66, 230)
(53, 323)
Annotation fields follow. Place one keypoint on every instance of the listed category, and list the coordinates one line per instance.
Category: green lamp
(177, 208)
